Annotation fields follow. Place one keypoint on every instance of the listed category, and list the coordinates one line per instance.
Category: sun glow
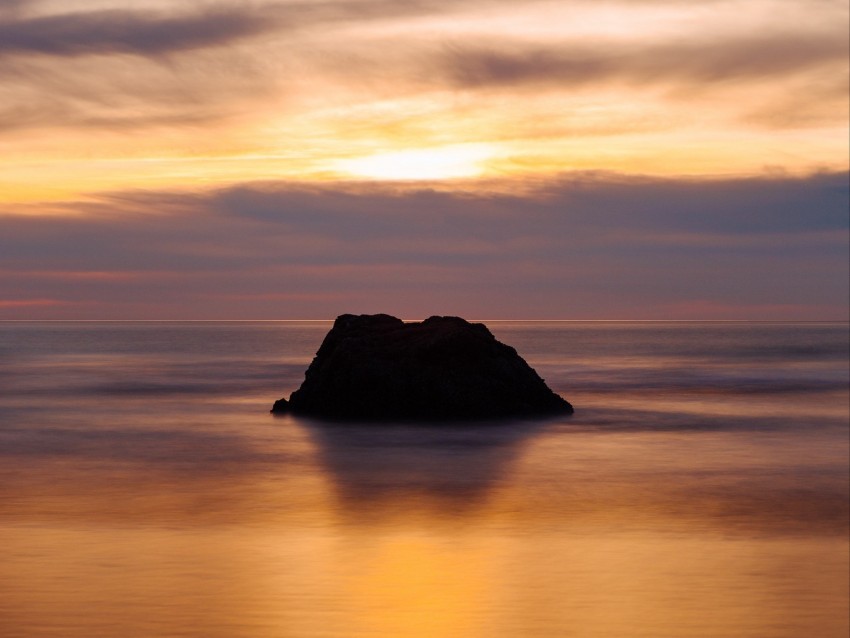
(446, 162)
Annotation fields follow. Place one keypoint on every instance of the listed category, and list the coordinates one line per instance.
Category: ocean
(699, 490)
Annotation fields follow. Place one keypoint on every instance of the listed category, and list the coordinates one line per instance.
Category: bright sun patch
(447, 162)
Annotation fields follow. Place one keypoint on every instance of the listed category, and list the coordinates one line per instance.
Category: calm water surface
(701, 489)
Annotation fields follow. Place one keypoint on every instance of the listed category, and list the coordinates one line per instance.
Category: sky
(504, 159)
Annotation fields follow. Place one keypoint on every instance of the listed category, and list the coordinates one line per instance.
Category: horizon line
(406, 320)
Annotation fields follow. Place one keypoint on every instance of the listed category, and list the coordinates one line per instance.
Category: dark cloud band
(123, 31)
(694, 63)
(597, 244)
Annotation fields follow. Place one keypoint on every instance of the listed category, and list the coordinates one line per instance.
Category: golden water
(694, 513)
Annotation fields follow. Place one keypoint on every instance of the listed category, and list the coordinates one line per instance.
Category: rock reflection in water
(380, 470)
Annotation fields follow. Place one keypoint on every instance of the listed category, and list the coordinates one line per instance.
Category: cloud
(131, 69)
(585, 246)
(156, 33)
(126, 31)
(13, 7)
(46, 116)
(694, 63)
(817, 101)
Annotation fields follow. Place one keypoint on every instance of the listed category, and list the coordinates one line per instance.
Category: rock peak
(377, 367)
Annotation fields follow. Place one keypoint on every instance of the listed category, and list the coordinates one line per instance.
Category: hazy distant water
(701, 489)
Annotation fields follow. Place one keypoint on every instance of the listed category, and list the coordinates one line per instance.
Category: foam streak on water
(700, 489)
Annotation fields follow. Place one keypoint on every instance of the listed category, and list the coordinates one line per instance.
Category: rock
(376, 367)
(281, 405)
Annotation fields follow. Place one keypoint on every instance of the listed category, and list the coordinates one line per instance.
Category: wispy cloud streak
(695, 63)
(126, 31)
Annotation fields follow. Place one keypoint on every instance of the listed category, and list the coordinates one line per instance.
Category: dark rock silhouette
(376, 367)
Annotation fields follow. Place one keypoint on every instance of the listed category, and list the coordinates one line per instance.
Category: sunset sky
(277, 159)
